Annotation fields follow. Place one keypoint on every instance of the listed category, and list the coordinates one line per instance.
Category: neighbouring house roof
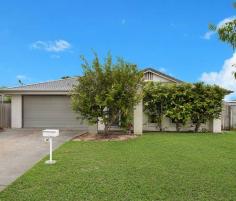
(232, 102)
(63, 86)
(161, 74)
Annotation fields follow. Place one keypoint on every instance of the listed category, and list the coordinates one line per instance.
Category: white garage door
(50, 112)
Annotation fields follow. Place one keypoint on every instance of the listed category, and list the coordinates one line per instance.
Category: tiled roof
(63, 85)
(57, 85)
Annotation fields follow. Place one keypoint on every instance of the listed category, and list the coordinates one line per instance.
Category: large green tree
(206, 103)
(168, 100)
(179, 107)
(226, 32)
(156, 101)
(107, 91)
(182, 102)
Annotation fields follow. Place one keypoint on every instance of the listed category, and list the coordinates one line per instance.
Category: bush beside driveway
(152, 167)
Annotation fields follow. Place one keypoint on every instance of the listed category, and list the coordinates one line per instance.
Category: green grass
(173, 167)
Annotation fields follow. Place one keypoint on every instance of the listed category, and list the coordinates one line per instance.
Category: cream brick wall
(16, 111)
(138, 119)
(169, 126)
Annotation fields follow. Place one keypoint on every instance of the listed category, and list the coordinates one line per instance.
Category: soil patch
(102, 137)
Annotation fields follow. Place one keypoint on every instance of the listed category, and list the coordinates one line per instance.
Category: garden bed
(101, 137)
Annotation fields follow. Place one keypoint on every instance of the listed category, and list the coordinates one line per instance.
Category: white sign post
(48, 134)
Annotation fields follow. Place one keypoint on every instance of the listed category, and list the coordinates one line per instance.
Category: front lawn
(173, 167)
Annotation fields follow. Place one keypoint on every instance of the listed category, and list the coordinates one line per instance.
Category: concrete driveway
(20, 149)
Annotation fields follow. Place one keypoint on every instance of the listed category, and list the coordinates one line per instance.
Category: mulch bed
(102, 137)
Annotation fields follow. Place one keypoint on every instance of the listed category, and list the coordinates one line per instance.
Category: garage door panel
(50, 111)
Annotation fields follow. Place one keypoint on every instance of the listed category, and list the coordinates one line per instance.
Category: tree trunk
(177, 127)
(159, 120)
(106, 129)
(197, 126)
(160, 126)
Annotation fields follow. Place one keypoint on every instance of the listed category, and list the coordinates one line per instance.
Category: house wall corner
(138, 119)
(16, 111)
(215, 126)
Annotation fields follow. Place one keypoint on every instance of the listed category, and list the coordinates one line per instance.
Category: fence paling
(5, 115)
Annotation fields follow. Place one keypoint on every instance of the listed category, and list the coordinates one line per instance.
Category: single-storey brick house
(47, 105)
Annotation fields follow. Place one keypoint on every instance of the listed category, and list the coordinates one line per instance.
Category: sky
(43, 40)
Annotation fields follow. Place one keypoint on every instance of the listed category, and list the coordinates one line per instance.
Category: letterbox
(50, 133)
